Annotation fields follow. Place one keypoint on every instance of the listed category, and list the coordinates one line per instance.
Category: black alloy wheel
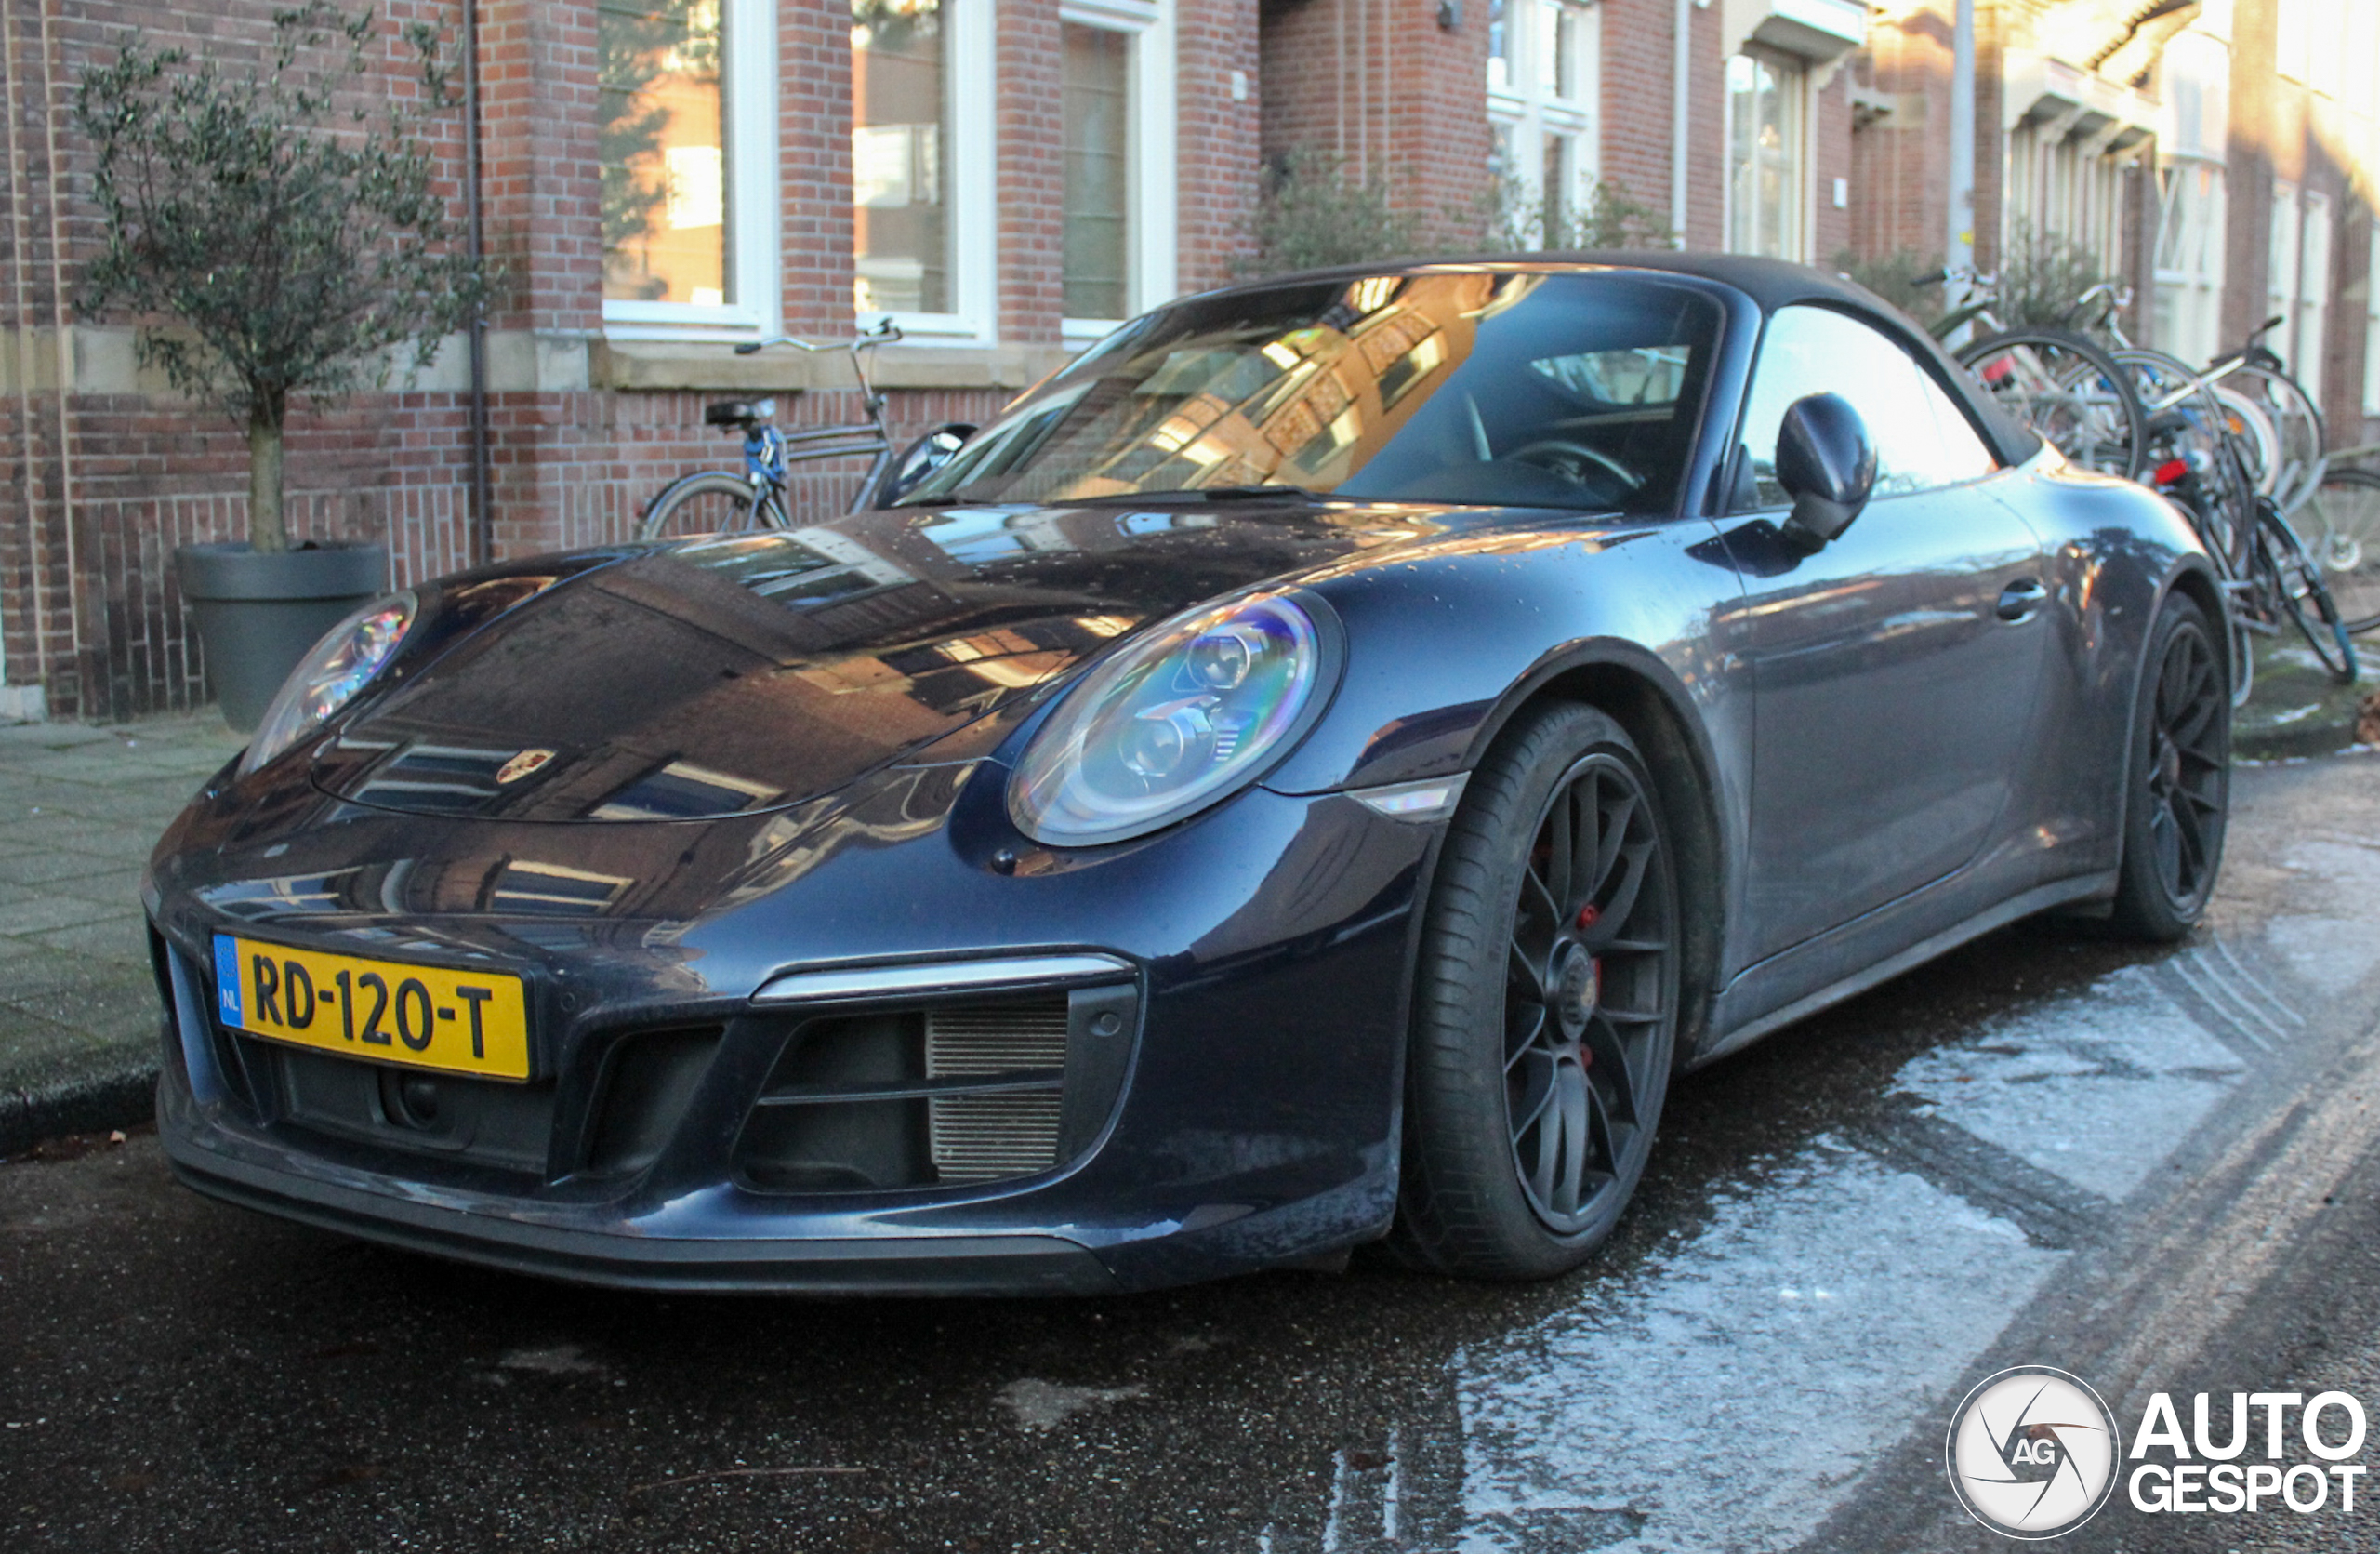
(1550, 984)
(2179, 796)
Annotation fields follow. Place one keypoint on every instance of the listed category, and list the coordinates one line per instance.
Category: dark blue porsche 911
(1306, 776)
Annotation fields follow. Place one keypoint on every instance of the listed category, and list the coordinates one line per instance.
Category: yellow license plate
(472, 1022)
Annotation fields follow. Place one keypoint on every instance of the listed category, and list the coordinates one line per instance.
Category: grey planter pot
(259, 613)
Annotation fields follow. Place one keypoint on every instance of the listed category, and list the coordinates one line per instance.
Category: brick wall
(104, 485)
(1638, 91)
(1221, 139)
(1378, 86)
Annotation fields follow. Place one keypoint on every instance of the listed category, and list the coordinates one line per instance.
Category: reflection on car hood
(728, 675)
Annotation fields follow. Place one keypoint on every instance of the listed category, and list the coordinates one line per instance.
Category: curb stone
(121, 1096)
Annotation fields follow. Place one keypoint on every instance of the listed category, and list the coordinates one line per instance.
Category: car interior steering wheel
(1571, 459)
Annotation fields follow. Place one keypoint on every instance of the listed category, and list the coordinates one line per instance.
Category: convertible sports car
(1306, 775)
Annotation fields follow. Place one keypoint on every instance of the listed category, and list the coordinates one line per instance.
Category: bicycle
(2059, 382)
(2331, 517)
(2268, 409)
(2266, 574)
(722, 501)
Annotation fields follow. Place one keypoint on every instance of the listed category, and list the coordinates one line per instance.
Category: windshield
(1572, 390)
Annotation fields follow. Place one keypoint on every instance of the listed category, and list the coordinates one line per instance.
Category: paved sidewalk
(80, 807)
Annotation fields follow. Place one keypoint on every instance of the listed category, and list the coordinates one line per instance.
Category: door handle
(2021, 598)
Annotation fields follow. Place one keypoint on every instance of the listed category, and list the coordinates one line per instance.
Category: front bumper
(881, 1265)
(1254, 1123)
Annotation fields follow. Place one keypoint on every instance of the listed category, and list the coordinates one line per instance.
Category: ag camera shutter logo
(2032, 1453)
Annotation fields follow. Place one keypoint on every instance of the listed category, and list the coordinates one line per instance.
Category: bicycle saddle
(746, 413)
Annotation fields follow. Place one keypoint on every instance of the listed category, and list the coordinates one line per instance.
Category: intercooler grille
(985, 1138)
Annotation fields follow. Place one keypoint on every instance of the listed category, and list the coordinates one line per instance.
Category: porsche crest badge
(523, 764)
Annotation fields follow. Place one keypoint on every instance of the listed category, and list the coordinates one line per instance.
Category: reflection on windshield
(1573, 390)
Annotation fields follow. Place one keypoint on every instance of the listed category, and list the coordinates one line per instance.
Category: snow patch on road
(2096, 1088)
(1726, 1397)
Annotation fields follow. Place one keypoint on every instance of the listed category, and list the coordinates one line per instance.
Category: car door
(1896, 670)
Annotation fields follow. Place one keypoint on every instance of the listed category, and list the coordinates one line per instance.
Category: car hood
(723, 676)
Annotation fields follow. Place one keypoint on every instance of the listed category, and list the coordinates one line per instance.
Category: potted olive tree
(279, 231)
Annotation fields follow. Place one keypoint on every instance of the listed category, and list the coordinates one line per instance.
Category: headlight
(1188, 713)
(328, 676)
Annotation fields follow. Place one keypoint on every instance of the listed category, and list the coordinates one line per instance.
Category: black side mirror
(1826, 464)
(920, 459)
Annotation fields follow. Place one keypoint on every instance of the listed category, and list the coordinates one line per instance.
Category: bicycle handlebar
(885, 332)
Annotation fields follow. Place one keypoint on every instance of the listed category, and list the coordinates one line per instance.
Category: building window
(2190, 259)
(2314, 291)
(2282, 271)
(921, 162)
(2372, 325)
(1098, 204)
(1544, 64)
(1766, 165)
(686, 146)
(1116, 113)
(2063, 186)
(2293, 39)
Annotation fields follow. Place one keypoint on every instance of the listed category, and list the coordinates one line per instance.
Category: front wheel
(713, 501)
(1546, 1008)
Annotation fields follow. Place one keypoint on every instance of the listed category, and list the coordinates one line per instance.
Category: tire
(2178, 784)
(1528, 1007)
(2070, 390)
(2252, 434)
(2298, 590)
(2296, 422)
(2341, 527)
(714, 501)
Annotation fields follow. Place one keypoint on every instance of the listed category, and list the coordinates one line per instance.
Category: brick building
(665, 178)
(2218, 155)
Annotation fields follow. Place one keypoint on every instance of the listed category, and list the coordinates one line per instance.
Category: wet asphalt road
(2156, 1170)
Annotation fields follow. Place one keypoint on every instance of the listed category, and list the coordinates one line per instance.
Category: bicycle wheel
(714, 501)
(2297, 430)
(2252, 434)
(2341, 528)
(2296, 590)
(2066, 389)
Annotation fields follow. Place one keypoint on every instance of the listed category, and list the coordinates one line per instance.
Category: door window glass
(1922, 438)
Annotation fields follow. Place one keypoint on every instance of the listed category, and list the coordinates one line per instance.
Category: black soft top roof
(1771, 283)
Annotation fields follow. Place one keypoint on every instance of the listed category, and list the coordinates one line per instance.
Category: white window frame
(1149, 263)
(2312, 322)
(1528, 113)
(2293, 32)
(2281, 272)
(1801, 199)
(2371, 323)
(970, 154)
(2189, 230)
(748, 81)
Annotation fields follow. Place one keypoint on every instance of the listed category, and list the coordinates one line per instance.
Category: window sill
(665, 364)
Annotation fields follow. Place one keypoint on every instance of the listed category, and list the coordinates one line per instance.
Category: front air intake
(946, 1093)
(986, 1136)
